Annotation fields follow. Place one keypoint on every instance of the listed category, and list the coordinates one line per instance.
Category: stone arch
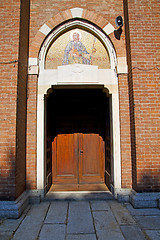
(78, 13)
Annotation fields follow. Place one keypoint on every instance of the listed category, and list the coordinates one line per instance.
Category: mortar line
(43, 221)
(93, 220)
(136, 222)
(117, 221)
(66, 222)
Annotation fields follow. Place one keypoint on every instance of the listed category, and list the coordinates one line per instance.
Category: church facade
(80, 102)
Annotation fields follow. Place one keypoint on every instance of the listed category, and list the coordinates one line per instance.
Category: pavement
(83, 220)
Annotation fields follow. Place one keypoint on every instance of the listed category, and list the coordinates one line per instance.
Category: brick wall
(22, 98)
(31, 157)
(13, 86)
(9, 31)
(144, 86)
(125, 137)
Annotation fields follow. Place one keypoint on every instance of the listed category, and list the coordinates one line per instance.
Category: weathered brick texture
(9, 31)
(31, 157)
(14, 27)
(144, 86)
(125, 132)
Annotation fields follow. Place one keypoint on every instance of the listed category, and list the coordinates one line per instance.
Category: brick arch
(91, 16)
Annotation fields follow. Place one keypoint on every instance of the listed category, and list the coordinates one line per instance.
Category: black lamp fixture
(119, 21)
(119, 24)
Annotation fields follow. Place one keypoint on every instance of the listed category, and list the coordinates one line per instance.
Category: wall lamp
(119, 24)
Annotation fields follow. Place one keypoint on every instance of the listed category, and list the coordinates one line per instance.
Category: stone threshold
(78, 195)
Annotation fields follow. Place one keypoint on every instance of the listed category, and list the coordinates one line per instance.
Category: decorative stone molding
(32, 61)
(33, 68)
(45, 29)
(108, 29)
(77, 12)
(122, 65)
(81, 24)
(79, 74)
(69, 14)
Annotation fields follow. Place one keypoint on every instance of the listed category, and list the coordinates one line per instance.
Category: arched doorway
(77, 76)
(78, 133)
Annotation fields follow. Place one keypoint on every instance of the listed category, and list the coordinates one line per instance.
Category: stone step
(78, 195)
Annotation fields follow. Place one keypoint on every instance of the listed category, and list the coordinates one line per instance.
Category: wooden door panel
(78, 159)
(89, 155)
(64, 155)
(91, 158)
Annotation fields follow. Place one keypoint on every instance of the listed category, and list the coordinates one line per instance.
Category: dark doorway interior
(78, 140)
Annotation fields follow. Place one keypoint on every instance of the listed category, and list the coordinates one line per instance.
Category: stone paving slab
(80, 218)
(148, 222)
(57, 212)
(121, 214)
(107, 226)
(132, 232)
(83, 220)
(83, 206)
(12, 224)
(100, 206)
(144, 211)
(6, 235)
(153, 234)
(52, 231)
(81, 237)
(32, 223)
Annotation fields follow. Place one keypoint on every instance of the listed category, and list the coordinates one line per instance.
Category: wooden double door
(78, 158)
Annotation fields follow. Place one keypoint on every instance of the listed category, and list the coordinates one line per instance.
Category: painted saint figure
(76, 52)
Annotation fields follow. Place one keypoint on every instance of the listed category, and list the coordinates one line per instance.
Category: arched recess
(82, 14)
(74, 76)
